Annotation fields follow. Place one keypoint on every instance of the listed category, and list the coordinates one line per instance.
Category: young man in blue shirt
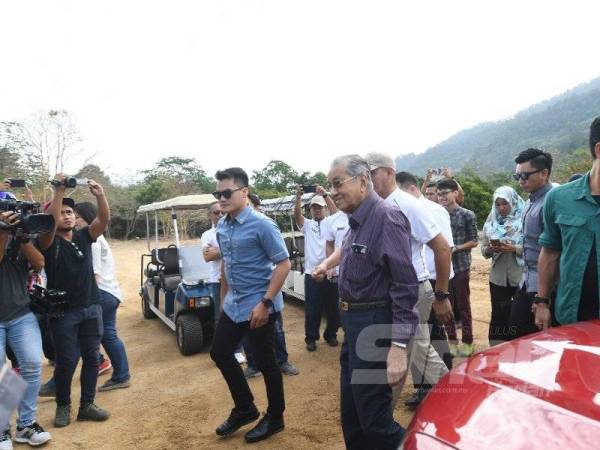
(250, 245)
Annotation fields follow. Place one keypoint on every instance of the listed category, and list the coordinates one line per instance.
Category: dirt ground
(176, 402)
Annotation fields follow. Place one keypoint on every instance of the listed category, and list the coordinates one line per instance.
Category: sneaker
(453, 349)
(92, 412)
(240, 357)
(104, 367)
(251, 372)
(111, 385)
(33, 435)
(47, 390)
(289, 369)
(466, 349)
(63, 416)
(5, 441)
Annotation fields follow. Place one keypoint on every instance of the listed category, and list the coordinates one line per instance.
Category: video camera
(30, 222)
(69, 182)
(48, 301)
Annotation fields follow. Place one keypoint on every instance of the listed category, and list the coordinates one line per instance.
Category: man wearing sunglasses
(250, 245)
(68, 255)
(212, 255)
(533, 174)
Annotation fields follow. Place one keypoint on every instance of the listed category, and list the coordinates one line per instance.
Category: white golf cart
(173, 277)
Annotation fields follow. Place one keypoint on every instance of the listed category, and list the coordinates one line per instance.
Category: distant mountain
(560, 123)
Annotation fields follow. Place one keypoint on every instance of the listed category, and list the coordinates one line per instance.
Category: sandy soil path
(175, 402)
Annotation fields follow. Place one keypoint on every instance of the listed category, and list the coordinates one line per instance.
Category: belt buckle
(344, 306)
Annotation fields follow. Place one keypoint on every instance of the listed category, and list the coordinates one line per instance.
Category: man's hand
(320, 272)
(9, 218)
(259, 316)
(95, 189)
(299, 191)
(542, 315)
(211, 253)
(28, 195)
(396, 366)
(320, 190)
(61, 187)
(446, 173)
(5, 186)
(443, 311)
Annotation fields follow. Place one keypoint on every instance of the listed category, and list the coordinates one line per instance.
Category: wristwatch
(441, 295)
(537, 300)
(267, 302)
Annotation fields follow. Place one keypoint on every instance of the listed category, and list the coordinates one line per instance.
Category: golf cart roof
(183, 202)
(283, 205)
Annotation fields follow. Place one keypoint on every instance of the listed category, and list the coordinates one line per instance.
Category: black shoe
(332, 342)
(311, 346)
(236, 420)
(419, 395)
(92, 412)
(63, 416)
(267, 427)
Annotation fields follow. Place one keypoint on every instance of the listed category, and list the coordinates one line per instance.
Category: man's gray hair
(356, 166)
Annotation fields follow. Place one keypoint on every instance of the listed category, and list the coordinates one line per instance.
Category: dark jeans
(281, 354)
(460, 296)
(439, 338)
(521, 319)
(227, 337)
(78, 332)
(320, 297)
(110, 341)
(366, 399)
(502, 297)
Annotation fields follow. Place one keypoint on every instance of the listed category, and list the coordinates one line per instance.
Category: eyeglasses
(218, 213)
(443, 193)
(337, 184)
(525, 175)
(227, 193)
(78, 253)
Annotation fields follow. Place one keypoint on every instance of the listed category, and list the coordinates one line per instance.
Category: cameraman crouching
(19, 328)
(68, 254)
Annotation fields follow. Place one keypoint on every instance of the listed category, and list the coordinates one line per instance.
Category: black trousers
(366, 397)
(502, 298)
(521, 320)
(227, 337)
(439, 338)
(320, 297)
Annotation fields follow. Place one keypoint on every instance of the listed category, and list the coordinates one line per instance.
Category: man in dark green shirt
(570, 247)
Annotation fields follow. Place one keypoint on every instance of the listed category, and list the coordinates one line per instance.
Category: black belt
(354, 306)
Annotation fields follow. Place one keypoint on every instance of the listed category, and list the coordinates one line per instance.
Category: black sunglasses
(525, 175)
(227, 193)
(78, 253)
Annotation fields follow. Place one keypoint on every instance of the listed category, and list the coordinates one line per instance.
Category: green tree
(277, 176)
(478, 194)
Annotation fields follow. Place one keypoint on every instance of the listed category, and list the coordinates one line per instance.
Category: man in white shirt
(318, 294)
(212, 255)
(409, 184)
(426, 365)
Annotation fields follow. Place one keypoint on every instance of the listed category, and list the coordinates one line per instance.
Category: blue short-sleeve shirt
(250, 244)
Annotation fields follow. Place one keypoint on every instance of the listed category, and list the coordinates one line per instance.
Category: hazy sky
(242, 82)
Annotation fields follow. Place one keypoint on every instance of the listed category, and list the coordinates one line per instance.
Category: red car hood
(541, 391)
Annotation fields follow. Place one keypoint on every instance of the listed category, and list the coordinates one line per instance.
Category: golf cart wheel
(146, 311)
(189, 334)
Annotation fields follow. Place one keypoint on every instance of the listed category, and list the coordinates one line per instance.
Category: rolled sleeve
(550, 237)
(403, 288)
(272, 241)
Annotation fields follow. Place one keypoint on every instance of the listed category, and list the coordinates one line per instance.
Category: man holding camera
(19, 328)
(68, 254)
(319, 294)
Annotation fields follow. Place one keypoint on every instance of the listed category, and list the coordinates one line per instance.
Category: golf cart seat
(167, 260)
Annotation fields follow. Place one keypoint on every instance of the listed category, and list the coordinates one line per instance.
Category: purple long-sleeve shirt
(376, 263)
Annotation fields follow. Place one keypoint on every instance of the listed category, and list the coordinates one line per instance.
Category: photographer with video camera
(18, 325)
(68, 254)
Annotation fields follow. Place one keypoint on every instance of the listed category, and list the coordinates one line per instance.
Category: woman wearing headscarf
(503, 242)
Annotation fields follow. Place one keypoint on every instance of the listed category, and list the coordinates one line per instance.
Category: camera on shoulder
(29, 223)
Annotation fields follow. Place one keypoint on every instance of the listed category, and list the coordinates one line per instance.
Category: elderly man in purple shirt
(378, 292)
